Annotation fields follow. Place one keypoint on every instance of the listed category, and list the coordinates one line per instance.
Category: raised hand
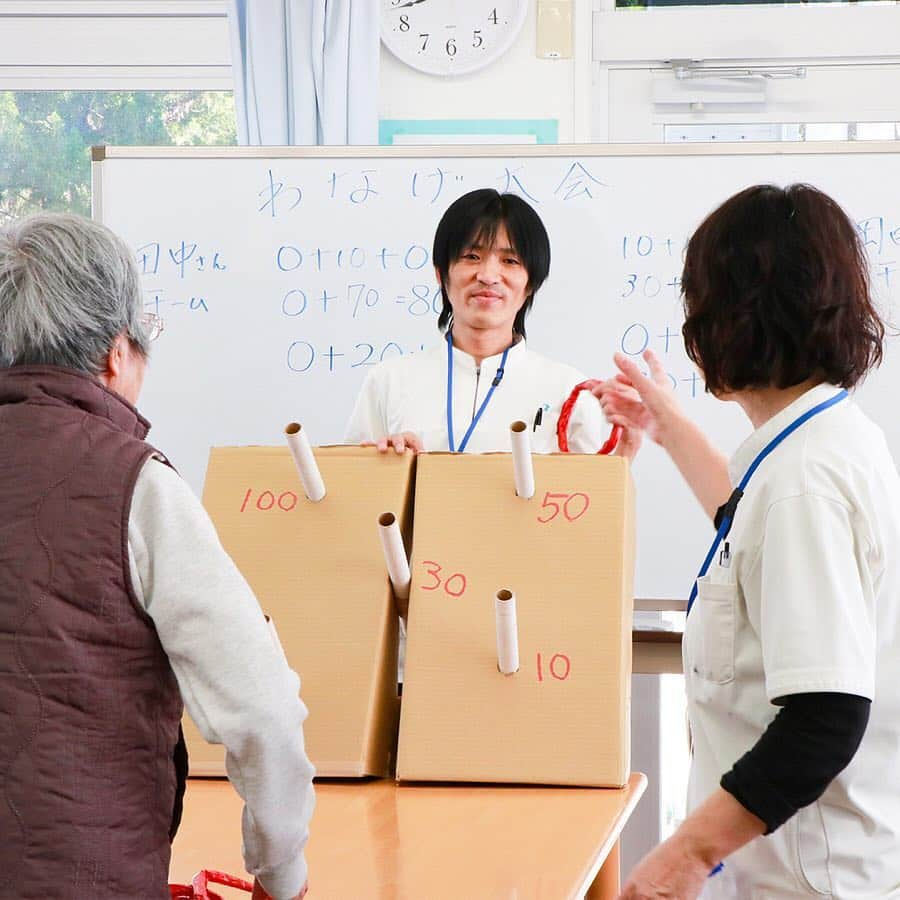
(638, 402)
(642, 404)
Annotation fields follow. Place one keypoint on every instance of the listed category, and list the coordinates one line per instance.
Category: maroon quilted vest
(89, 706)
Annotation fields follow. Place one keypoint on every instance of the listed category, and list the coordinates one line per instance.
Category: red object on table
(198, 889)
(562, 426)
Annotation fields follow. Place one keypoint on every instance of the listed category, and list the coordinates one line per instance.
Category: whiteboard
(284, 274)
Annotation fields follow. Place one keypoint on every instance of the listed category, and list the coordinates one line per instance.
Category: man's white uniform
(410, 394)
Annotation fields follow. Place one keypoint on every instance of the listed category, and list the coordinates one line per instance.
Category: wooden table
(656, 652)
(377, 839)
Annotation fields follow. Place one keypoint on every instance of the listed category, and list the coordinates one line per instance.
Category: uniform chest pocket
(709, 641)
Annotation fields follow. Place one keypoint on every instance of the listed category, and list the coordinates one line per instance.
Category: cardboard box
(568, 555)
(318, 571)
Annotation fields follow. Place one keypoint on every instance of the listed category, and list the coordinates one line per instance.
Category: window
(46, 136)
(675, 757)
(81, 72)
(796, 131)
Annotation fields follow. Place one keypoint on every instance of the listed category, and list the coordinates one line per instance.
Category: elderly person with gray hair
(117, 603)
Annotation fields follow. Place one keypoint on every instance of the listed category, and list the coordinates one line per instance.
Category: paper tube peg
(395, 558)
(507, 632)
(523, 467)
(310, 476)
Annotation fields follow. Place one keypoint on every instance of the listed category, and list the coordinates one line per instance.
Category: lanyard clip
(727, 510)
(498, 377)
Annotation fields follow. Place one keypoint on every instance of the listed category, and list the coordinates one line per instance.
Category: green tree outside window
(46, 136)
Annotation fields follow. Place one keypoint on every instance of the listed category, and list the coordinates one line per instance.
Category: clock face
(450, 37)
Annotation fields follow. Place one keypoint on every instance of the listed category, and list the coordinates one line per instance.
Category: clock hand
(408, 3)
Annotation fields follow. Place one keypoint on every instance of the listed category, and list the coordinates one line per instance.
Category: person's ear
(437, 275)
(114, 359)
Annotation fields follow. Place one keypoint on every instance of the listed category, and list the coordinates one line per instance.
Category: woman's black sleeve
(811, 740)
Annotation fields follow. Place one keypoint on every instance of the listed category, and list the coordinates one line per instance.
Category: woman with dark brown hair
(792, 641)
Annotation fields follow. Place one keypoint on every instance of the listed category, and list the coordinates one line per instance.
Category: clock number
(404, 23)
(493, 16)
(424, 41)
(477, 39)
(451, 47)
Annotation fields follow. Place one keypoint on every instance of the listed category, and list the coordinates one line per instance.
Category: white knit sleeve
(236, 683)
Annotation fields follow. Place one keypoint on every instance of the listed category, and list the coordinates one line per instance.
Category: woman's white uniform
(410, 394)
(809, 601)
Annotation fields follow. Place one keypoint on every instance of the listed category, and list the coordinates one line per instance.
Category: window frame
(635, 44)
(118, 45)
(767, 33)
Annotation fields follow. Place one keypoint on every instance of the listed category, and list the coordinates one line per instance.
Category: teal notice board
(508, 131)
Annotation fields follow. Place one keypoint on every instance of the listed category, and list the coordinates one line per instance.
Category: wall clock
(450, 37)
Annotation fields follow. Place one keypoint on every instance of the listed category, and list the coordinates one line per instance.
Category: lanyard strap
(730, 507)
(497, 379)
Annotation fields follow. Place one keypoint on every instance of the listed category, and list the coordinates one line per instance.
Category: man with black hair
(491, 255)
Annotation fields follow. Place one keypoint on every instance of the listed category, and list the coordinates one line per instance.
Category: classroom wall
(517, 86)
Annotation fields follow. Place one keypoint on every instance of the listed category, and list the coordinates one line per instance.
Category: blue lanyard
(731, 506)
(497, 379)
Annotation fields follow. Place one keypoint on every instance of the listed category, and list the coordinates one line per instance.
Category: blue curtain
(305, 71)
